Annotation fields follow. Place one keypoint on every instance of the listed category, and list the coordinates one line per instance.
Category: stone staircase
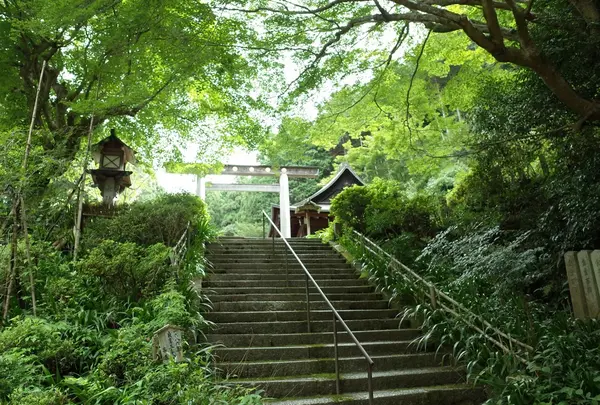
(261, 321)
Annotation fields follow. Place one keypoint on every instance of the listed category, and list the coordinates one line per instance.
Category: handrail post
(287, 272)
(307, 306)
(263, 223)
(432, 296)
(370, 372)
(336, 355)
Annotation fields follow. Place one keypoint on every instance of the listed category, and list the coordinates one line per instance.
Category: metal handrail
(336, 317)
(436, 295)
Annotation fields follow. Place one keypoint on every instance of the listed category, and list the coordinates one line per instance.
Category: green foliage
(382, 209)
(92, 340)
(503, 264)
(18, 369)
(37, 396)
(146, 63)
(161, 220)
(240, 214)
(127, 270)
(491, 273)
(350, 205)
(47, 341)
(565, 368)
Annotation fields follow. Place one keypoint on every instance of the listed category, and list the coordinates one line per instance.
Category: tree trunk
(587, 110)
(590, 13)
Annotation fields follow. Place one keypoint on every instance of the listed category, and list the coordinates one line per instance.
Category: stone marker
(590, 287)
(167, 343)
(575, 286)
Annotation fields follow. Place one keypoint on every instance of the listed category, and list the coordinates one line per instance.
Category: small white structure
(167, 343)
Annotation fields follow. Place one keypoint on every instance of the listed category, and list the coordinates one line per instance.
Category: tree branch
(133, 110)
(491, 17)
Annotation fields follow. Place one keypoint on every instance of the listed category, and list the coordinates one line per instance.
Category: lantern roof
(111, 143)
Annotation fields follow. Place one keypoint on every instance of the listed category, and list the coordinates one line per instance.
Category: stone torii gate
(306, 172)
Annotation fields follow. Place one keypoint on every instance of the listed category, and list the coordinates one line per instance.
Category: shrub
(18, 369)
(39, 396)
(384, 211)
(48, 343)
(350, 205)
(161, 220)
(127, 270)
(126, 358)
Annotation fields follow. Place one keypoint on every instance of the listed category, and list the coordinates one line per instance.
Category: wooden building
(312, 213)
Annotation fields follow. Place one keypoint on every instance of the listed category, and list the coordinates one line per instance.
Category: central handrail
(336, 317)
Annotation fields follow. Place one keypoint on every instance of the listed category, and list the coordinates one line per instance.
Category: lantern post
(111, 177)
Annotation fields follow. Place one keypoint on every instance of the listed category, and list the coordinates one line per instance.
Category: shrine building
(313, 213)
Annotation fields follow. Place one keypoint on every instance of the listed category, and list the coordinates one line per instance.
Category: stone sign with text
(583, 273)
(167, 343)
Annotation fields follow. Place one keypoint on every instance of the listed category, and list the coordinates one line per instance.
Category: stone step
(333, 297)
(276, 316)
(211, 283)
(323, 351)
(291, 290)
(292, 269)
(257, 369)
(457, 394)
(245, 249)
(233, 240)
(301, 326)
(355, 382)
(257, 290)
(267, 245)
(276, 255)
(245, 306)
(296, 275)
(279, 251)
(283, 339)
(225, 261)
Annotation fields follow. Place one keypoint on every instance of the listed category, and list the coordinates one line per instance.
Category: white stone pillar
(201, 187)
(284, 205)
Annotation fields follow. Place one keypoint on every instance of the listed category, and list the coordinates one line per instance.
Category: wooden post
(590, 288)
(432, 296)
(575, 286)
(12, 266)
(19, 200)
(28, 257)
(79, 217)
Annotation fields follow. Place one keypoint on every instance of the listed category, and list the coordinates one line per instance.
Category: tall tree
(155, 67)
(325, 32)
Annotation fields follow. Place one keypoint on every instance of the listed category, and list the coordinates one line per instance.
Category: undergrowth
(511, 276)
(91, 342)
(564, 367)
